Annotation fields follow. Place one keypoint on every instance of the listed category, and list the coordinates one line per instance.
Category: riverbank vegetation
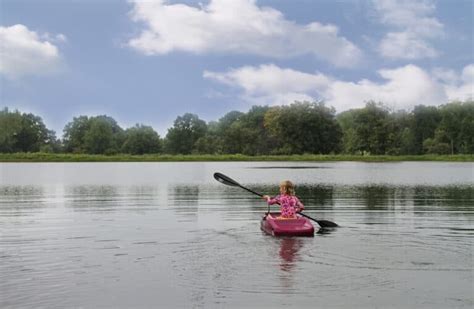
(302, 131)
(69, 157)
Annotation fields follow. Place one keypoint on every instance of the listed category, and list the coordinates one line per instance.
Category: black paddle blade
(322, 223)
(326, 223)
(225, 180)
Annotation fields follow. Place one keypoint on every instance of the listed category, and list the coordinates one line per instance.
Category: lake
(168, 235)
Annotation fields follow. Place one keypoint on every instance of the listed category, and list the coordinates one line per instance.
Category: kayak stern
(300, 226)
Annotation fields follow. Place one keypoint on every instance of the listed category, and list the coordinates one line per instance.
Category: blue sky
(151, 61)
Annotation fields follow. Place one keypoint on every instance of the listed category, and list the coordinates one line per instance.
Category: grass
(64, 157)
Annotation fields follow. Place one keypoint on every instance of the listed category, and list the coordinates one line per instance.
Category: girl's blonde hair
(287, 187)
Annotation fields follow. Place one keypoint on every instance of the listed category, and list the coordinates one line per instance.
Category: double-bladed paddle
(230, 182)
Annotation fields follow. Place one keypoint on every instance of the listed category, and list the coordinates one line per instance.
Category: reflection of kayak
(286, 227)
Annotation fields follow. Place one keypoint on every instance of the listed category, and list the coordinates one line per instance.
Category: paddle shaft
(251, 191)
(256, 193)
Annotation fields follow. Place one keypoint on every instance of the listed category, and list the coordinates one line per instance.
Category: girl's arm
(299, 205)
(271, 201)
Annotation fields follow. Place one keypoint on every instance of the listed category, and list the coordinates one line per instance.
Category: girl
(289, 203)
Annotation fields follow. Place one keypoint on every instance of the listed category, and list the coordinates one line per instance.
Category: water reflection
(380, 197)
(289, 247)
(376, 197)
(94, 198)
(448, 197)
(17, 201)
(16, 192)
(318, 196)
(184, 199)
(295, 167)
(101, 193)
(102, 198)
(187, 200)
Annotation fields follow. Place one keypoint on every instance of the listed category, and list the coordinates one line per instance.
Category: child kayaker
(289, 203)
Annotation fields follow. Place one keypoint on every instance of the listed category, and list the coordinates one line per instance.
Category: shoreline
(61, 157)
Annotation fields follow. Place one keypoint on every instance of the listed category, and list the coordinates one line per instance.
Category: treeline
(299, 128)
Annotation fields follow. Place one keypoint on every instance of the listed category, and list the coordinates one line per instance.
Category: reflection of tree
(185, 200)
(21, 200)
(99, 197)
(320, 196)
(376, 197)
(450, 197)
(383, 197)
(289, 248)
(20, 192)
(96, 191)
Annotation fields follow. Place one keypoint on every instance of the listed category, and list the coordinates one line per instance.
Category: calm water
(169, 235)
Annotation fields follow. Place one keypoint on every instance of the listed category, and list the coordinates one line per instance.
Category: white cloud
(462, 88)
(405, 45)
(268, 78)
(402, 87)
(24, 52)
(270, 84)
(235, 26)
(414, 28)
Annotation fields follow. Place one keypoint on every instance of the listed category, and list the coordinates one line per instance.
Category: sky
(150, 61)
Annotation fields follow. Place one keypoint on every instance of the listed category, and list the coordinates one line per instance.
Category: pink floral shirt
(289, 204)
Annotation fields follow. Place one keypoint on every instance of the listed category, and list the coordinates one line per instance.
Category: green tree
(425, 121)
(257, 139)
(304, 127)
(400, 138)
(228, 132)
(184, 134)
(466, 135)
(244, 132)
(456, 125)
(24, 133)
(74, 134)
(33, 134)
(211, 142)
(371, 129)
(407, 142)
(94, 135)
(346, 120)
(99, 137)
(104, 136)
(435, 145)
(141, 139)
(10, 126)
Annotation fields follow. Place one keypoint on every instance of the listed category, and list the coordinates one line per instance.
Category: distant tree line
(302, 127)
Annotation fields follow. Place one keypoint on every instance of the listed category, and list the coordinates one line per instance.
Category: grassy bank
(51, 157)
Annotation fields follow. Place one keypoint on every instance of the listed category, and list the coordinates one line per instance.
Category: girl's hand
(266, 197)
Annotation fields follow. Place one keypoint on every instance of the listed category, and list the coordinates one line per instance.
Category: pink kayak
(286, 227)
